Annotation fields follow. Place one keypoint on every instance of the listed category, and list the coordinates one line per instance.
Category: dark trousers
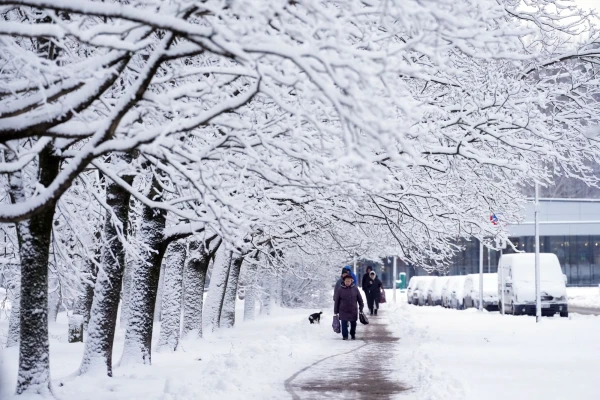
(345, 328)
(373, 303)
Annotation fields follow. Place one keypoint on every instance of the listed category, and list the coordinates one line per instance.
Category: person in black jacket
(375, 287)
(366, 282)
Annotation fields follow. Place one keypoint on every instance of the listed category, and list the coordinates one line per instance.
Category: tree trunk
(125, 293)
(227, 319)
(266, 297)
(277, 292)
(170, 326)
(144, 284)
(89, 293)
(14, 327)
(193, 298)
(194, 283)
(216, 292)
(16, 193)
(159, 294)
(83, 303)
(34, 239)
(101, 330)
(54, 298)
(251, 292)
(75, 328)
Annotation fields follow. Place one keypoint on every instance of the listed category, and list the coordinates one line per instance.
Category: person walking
(374, 293)
(365, 280)
(351, 273)
(348, 303)
(366, 283)
(340, 282)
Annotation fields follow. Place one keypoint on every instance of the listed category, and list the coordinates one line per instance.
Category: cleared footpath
(365, 371)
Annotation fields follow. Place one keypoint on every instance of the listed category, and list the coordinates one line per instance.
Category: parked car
(434, 293)
(422, 289)
(519, 284)
(456, 292)
(412, 284)
(490, 291)
(446, 292)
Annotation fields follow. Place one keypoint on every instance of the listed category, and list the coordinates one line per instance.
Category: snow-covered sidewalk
(471, 355)
(250, 361)
(434, 353)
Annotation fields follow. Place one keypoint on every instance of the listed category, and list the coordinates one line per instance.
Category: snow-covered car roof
(490, 283)
(457, 284)
(424, 282)
(438, 285)
(523, 267)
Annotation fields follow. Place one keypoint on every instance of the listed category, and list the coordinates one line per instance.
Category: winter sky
(589, 4)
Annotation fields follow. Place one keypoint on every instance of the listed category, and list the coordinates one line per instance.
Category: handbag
(382, 297)
(363, 318)
(336, 324)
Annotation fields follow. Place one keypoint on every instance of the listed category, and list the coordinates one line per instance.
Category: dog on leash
(316, 317)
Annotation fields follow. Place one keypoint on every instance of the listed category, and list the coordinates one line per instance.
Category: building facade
(569, 228)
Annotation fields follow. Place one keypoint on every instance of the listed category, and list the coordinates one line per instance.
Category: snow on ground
(250, 361)
(468, 355)
(442, 354)
(584, 296)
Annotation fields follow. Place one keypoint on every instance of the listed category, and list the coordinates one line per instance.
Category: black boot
(375, 311)
(353, 337)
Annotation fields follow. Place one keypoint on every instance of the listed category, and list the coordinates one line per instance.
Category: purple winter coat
(346, 300)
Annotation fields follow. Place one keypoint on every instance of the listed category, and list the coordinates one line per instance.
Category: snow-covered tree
(170, 326)
(317, 127)
(201, 252)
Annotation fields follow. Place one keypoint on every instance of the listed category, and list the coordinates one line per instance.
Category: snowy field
(442, 354)
(584, 296)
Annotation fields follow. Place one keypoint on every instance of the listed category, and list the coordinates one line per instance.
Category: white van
(516, 272)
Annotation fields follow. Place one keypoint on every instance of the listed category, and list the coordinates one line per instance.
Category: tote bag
(363, 318)
(336, 324)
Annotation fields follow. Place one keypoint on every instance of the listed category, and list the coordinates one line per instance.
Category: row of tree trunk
(95, 310)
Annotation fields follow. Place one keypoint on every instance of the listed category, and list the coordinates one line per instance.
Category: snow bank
(584, 296)
(469, 355)
(249, 361)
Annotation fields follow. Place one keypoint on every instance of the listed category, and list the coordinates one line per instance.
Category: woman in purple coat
(348, 302)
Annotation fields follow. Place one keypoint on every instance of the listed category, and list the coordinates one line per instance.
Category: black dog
(316, 317)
